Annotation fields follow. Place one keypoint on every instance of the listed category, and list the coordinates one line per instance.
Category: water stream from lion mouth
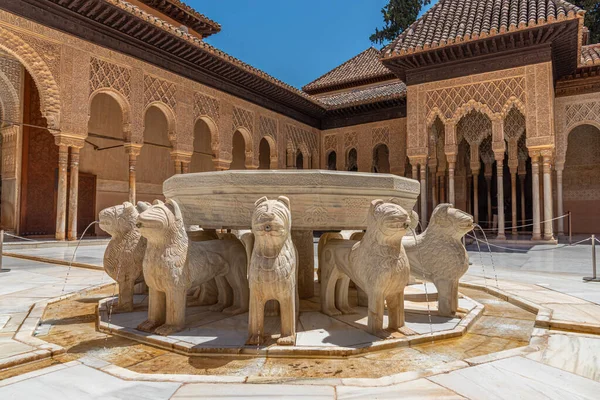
(414, 233)
(490, 253)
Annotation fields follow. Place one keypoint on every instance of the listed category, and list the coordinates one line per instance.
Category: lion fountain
(124, 255)
(378, 264)
(173, 264)
(272, 271)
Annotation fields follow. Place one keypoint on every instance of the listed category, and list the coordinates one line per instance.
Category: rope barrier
(19, 237)
(527, 251)
(524, 226)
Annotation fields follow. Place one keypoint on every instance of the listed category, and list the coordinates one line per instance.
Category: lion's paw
(348, 310)
(332, 312)
(254, 340)
(147, 326)
(166, 330)
(287, 340)
(217, 307)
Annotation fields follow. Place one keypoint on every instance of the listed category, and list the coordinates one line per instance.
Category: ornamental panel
(474, 127)
(159, 90)
(351, 140)
(104, 74)
(380, 136)
(206, 105)
(267, 127)
(514, 124)
(330, 143)
(298, 136)
(495, 94)
(242, 119)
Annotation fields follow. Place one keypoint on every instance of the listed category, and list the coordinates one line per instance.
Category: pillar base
(501, 237)
(551, 237)
(536, 237)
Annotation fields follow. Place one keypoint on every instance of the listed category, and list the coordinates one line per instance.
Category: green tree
(592, 17)
(397, 16)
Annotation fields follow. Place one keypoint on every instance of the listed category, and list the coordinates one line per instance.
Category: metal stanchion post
(1, 250)
(593, 278)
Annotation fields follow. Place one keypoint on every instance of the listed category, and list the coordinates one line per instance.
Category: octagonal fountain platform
(318, 335)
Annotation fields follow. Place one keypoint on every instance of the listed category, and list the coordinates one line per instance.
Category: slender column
(424, 193)
(442, 178)
(476, 195)
(185, 167)
(177, 167)
(500, 184)
(523, 210)
(415, 176)
(61, 197)
(133, 151)
(548, 209)
(488, 184)
(73, 194)
(559, 198)
(451, 167)
(535, 195)
(513, 201)
(434, 199)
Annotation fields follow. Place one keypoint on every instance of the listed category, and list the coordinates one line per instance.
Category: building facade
(494, 109)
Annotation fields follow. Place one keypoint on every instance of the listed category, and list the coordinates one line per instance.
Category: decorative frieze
(159, 90)
(104, 74)
(206, 106)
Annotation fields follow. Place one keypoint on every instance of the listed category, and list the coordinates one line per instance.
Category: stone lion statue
(272, 271)
(439, 256)
(173, 264)
(377, 264)
(124, 255)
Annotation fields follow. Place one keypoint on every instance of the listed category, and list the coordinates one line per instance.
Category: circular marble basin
(320, 200)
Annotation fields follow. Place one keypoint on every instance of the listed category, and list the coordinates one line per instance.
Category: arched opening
(352, 160)
(381, 159)
(581, 184)
(332, 161)
(264, 154)
(101, 161)
(299, 160)
(154, 164)
(202, 159)
(238, 152)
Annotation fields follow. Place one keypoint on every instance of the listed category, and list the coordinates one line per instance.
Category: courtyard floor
(50, 349)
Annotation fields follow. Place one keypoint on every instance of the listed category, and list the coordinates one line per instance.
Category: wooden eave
(563, 36)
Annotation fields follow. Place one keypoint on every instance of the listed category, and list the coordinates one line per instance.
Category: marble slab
(255, 391)
(420, 389)
(82, 382)
(573, 353)
(518, 378)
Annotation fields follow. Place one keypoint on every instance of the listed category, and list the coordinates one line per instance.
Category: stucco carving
(377, 264)
(47, 83)
(380, 135)
(159, 90)
(571, 112)
(272, 272)
(124, 255)
(104, 74)
(173, 264)
(267, 127)
(206, 106)
(439, 256)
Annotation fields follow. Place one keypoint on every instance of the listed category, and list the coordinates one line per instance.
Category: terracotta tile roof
(132, 9)
(454, 21)
(363, 67)
(590, 55)
(387, 91)
(186, 15)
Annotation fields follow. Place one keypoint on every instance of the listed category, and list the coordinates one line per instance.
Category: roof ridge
(313, 85)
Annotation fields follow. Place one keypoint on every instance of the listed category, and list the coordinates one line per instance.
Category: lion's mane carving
(124, 255)
(272, 271)
(173, 264)
(439, 256)
(377, 264)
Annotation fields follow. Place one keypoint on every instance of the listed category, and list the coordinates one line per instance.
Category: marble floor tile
(254, 391)
(3, 321)
(419, 389)
(518, 378)
(581, 313)
(10, 347)
(82, 382)
(573, 353)
(506, 328)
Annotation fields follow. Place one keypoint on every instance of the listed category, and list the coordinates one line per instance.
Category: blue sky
(295, 41)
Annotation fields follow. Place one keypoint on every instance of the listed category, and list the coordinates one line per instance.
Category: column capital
(64, 139)
(181, 156)
(499, 156)
(221, 165)
(133, 149)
